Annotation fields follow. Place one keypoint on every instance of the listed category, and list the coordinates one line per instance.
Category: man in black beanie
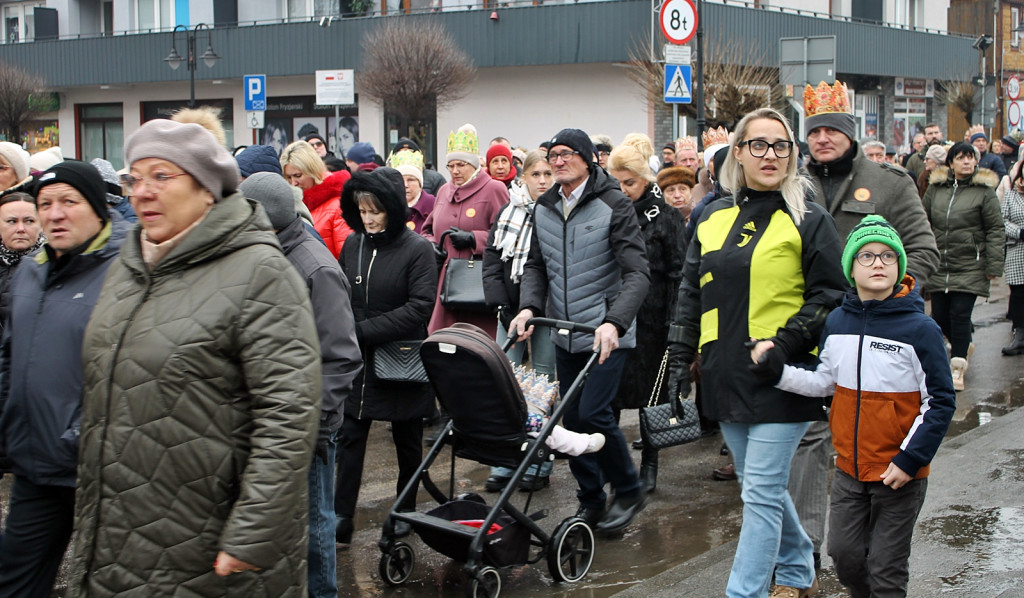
(52, 297)
(599, 279)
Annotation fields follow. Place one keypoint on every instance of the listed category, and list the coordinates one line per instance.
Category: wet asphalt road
(686, 533)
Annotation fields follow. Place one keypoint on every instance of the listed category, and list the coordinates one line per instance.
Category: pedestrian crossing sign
(678, 84)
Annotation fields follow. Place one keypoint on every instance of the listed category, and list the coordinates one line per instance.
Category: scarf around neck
(514, 228)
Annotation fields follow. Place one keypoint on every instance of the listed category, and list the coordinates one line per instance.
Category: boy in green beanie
(884, 363)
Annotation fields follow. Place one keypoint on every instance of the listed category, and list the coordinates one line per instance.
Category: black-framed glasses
(158, 181)
(565, 156)
(759, 147)
(867, 258)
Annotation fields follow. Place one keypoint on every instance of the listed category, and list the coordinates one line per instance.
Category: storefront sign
(921, 88)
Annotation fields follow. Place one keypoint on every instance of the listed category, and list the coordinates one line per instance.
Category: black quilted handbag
(672, 423)
(399, 361)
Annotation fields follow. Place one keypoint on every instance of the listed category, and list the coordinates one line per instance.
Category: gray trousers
(869, 535)
(808, 480)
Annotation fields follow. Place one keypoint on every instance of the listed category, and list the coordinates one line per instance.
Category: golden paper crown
(826, 99)
(406, 158)
(686, 143)
(464, 141)
(715, 137)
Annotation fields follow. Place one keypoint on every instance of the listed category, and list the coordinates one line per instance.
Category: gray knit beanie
(274, 194)
(840, 121)
(191, 147)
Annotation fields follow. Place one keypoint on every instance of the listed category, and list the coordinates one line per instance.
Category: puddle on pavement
(990, 535)
(996, 404)
(643, 552)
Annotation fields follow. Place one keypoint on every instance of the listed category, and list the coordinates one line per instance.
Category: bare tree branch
(732, 88)
(958, 90)
(16, 102)
(414, 68)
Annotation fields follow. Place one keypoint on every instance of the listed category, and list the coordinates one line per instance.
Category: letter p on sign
(255, 87)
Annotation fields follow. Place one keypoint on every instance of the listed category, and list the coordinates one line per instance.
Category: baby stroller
(474, 381)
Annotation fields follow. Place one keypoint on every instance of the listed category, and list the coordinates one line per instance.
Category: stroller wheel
(571, 550)
(396, 566)
(485, 584)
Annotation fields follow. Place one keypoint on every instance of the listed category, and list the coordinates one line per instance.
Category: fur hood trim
(982, 177)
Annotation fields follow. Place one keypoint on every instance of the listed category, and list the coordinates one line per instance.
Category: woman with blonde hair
(662, 229)
(764, 264)
(321, 191)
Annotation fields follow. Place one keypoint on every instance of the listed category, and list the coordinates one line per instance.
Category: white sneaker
(595, 443)
(958, 367)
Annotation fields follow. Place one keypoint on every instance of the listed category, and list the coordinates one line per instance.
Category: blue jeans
(590, 413)
(771, 538)
(542, 359)
(323, 560)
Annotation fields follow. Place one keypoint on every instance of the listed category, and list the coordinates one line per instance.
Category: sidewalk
(967, 542)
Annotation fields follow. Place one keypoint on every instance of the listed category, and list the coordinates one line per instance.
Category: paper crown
(464, 141)
(715, 137)
(826, 99)
(686, 143)
(406, 158)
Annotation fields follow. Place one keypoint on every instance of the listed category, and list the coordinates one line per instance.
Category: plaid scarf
(514, 229)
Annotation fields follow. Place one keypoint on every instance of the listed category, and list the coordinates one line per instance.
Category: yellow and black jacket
(751, 272)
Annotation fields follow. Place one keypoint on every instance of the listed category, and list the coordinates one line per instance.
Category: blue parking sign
(255, 90)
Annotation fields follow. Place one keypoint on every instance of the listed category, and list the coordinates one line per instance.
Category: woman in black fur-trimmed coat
(662, 228)
(393, 276)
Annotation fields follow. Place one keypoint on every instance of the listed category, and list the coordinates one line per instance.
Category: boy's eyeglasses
(867, 259)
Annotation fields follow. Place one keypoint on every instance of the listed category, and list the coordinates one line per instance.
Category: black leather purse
(672, 423)
(463, 285)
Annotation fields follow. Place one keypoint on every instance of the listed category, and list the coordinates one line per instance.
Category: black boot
(648, 470)
(1016, 346)
(343, 533)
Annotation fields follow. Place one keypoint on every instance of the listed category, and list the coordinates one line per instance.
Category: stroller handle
(563, 326)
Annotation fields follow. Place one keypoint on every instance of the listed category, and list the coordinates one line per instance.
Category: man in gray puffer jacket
(588, 259)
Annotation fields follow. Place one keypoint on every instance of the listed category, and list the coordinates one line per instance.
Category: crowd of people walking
(191, 348)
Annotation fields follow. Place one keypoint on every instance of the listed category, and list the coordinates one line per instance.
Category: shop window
(101, 133)
(1014, 23)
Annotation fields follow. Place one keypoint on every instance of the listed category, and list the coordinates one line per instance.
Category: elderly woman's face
(678, 196)
(166, 208)
(460, 171)
(19, 225)
(412, 187)
(7, 175)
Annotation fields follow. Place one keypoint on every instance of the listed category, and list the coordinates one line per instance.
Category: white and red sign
(678, 20)
(1013, 87)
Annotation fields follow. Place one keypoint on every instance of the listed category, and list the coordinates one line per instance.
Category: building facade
(541, 66)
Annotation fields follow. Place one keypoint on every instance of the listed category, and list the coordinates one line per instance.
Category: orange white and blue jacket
(885, 364)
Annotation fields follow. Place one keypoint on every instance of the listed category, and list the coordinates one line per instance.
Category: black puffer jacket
(663, 231)
(393, 288)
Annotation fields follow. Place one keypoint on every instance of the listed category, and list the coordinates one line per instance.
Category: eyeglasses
(867, 259)
(157, 182)
(602, 154)
(457, 165)
(316, 143)
(759, 148)
(565, 156)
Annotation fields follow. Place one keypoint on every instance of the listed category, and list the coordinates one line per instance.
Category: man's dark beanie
(82, 176)
(406, 143)
(258, 158)
(578, 141)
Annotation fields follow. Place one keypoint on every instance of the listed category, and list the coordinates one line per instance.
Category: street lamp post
(174, 59)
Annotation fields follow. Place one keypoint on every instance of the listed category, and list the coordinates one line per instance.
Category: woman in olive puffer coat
(963, 209)
(201, 394)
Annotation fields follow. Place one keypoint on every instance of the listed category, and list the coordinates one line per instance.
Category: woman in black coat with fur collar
(393, 277)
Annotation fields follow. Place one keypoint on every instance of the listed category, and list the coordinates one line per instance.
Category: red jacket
(324, 203)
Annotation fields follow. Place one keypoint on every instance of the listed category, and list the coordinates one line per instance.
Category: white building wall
(530, 104)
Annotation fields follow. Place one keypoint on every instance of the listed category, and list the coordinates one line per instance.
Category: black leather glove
(680, 382)
(323, 439)
(768, 369)
(462, 239)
